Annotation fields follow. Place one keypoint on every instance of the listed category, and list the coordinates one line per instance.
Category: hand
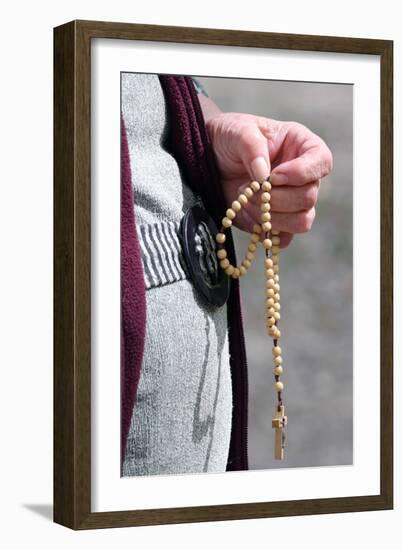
(249, 147)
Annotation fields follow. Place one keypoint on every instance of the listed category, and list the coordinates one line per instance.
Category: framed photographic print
(184, 389)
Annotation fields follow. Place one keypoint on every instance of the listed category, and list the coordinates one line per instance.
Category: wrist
(209, 108)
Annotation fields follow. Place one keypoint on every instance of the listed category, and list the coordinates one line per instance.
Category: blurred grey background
(316, 281)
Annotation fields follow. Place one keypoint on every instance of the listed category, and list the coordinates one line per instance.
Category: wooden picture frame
(72, 271)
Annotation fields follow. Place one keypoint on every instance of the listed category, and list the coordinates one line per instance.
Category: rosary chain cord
(271, 244)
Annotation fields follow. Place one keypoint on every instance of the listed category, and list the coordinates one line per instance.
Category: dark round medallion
(197, 233)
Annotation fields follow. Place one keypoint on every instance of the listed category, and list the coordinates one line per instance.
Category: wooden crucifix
(278, 423)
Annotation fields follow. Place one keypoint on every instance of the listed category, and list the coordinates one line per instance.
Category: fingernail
(278, 179)
(259, 169)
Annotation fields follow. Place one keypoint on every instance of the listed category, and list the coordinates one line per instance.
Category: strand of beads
(271, 244)
(243, 199)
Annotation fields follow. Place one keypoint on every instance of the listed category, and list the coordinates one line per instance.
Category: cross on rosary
(271, 244)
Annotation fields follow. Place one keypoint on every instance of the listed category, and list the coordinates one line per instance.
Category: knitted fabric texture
(182, 415)
(133, 302)
(189, 144)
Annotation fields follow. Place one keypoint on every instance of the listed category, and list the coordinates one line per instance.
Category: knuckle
(310, 168)
(305, 220)
(312, 172)
(245, 135)
(327, 161)
(251, 140)
(309, 198)
(320, 163)
(300, 128)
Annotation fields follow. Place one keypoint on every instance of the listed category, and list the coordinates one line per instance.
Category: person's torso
(182, 415)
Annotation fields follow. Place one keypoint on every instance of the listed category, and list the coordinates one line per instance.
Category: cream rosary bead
(271, 246)
(226, 222)
(270, 284)
(230, 213)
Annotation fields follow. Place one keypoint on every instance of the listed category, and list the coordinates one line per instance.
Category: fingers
(246, 221)
(285, 239)
(301, 159)
(292, 199)
(252, 148)
(297, 222)
(289, 222)
(314, 163)
(259, 169)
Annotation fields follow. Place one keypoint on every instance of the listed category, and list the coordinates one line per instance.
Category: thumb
(254, 153)
(259, 169)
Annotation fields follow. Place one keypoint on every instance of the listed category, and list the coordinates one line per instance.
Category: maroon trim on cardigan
(189, 143)
(133, 302)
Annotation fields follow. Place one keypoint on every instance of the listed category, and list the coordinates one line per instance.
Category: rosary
(271, 244)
